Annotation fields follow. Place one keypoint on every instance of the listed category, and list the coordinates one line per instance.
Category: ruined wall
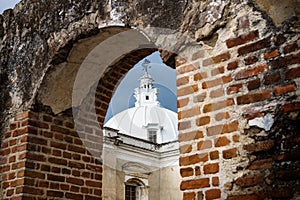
(237, 65)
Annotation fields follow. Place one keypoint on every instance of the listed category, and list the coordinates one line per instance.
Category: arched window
(133, 189)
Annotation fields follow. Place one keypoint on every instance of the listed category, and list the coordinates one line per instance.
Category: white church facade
(141, 151)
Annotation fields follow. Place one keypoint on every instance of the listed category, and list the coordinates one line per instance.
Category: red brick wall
(221, 156)
(42, 157)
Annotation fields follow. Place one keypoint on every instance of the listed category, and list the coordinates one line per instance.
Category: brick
(18, 165)
(97, 184)
(58, 145)
(212, 194)
(47, 118)
(37, 124)
(25, 115)
(271, 54)
(76, 149)
(288, 174)
(211, 168)
(43, 184)
(242, 39)
(204, 145)
(247, 73)
(74, 196)
(199, 54)
(272, 78)
(36, 157)
(280, 193)
(258, 196)
(285, 61)
(194, 184)
(75, 181)
(223, 128)
(283, 89)
(182, 102)
(189, 113)
(59, 129)
(69, 125)
(290, 48)
(32, 190)
(55, 178)
(199, 97)
(189, 196)
(260, 146)
(13, 126)
(230, 153)
(185, 149)
(217, 105)
(187, 68)
(221, 141)
(36, 140)
(248, 181)
(292, 73)
(45, 168)
(235, 138)
(57, 161)
(17, 182)
(279, 39)
(214, 155)
(197, 171)
(201, 121)
(194, 135)
(261, 164)
(186, 172)
(179, 61)
(261, 44)
(216, 82)
(217, 93)
(291, 107)
(216, 59)
(221, 116)
(254, 84)
(232, 89)
(250, 60)
(34, 174)
(182, 81)
(215, 181)
(217, 71)
(184, 125)
(77, 165)
(54, 193)
(199, 76)
(22, 131)
(193, 159)
(187, 90)
(254, 97)
(233, 65)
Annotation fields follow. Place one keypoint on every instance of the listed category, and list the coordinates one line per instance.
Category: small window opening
(147, 97)
(130, 192)
(152, 136)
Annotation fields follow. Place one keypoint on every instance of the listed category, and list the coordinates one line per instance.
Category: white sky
(6, 4)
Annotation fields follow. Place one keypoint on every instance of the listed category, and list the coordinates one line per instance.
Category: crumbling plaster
(35, 36)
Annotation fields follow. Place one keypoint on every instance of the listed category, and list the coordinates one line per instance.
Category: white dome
(138, 121)
(147, 120)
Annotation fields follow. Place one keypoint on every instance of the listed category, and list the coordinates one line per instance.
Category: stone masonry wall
(251, 72)
(238, 80)
(42, 157)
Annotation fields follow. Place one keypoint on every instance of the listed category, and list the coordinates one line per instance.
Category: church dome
(139, 121)
(147, 120)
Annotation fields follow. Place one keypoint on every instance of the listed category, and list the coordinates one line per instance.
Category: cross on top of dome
(146, 95)
(145, 65)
